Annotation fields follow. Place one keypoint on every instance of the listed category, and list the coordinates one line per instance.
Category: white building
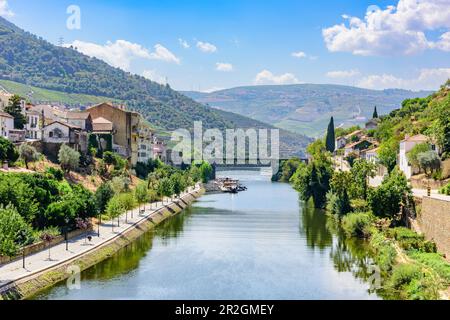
(60, 132)
(6, 124)
(34, 125)
(145, 142)
(406, 146)
(370, 155)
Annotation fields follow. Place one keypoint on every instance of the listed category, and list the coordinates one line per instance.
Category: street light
(99, 223)
(66, 237)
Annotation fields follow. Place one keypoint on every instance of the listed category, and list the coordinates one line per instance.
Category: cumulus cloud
(299, 54)
(444, 42)
(427, 79)
(120, 53)
(206, 47)
(4, 9)
(224, 67)
(303, 55)
(184, 43)
(399, 30)
(154, 76)
(343, 74)
(267, 77)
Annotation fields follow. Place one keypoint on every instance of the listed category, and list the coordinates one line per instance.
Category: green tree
(331, 138)
(206, 172)
(387, 154)
(443, 125)
(14, 108)
(165, 188)
(115, 209)
(338, 201)
(68, 158)
(103, 194)
(288, 168)
(8, 151)
(28, 153)
(413, 155)
(120, 184)
(141, 194)
(375, 113)
(361, 171)
(429, 160)
(14, 231)
(386, 200)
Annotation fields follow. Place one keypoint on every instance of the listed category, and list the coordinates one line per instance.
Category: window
(50, 134)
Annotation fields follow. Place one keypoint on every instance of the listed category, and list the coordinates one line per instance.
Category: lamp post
(66, 237)
(23, 258)
(99, 223)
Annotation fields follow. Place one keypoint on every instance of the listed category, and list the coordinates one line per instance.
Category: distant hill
(306, 108)
(41, 71)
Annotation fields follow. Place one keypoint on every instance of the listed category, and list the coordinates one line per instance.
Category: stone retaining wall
(434, 221)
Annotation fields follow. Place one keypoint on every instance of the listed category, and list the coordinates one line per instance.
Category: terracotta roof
(353, 134)
(101, 124)
(6, 115)
(77, 115)
(356, 143)
(64, 124)
(417, 138)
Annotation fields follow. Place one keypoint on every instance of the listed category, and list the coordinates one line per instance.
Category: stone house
(357, 147)
(373, 124)
(82, 120)
(59, 132)
(125, 128)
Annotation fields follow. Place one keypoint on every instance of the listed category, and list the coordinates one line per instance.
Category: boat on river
(228, 185)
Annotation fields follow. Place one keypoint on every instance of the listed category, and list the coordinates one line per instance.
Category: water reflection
(314, 227)
(261, 244)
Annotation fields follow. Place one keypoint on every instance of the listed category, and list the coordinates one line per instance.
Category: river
(260, 244)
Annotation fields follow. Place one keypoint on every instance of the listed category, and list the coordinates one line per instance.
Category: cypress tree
(331, 139)
(375, 113)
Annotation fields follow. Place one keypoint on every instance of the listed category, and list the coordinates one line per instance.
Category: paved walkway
(420, 193)
(41, 260)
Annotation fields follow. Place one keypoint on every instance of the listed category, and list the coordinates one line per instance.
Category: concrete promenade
(45, 260)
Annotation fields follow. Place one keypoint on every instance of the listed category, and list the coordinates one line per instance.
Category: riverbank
(40, 273)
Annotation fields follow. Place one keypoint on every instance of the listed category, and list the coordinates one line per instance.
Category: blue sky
(205, 45)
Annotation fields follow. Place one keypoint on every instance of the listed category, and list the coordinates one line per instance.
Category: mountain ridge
(27, 60)
(306, 108)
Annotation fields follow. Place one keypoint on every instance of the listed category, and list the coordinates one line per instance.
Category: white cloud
(267, 77)
(206, 47)
(224, 67)
(427, 79)
(4, 9)
(398, 30)
(444, 42)
(164, 54)
(299, 54)
(343, 74)
(184, 43)
(120, 53)
(303, 55)
(154, 76)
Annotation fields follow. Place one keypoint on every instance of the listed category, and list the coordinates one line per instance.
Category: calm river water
(259, 244)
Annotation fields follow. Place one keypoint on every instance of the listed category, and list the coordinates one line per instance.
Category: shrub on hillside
(358, 224)
(410, 240)
(14, 231)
